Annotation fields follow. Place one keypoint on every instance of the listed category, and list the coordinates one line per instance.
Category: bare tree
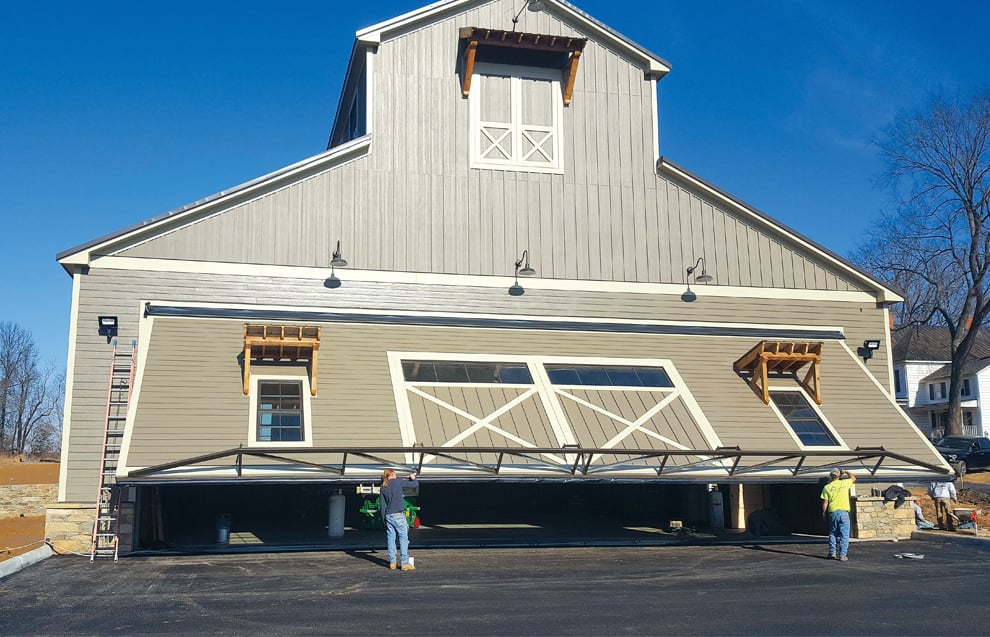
(935, 246)
(46, 436)
(29, 397)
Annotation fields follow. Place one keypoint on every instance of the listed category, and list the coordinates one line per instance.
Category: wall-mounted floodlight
(869, 346)
(108, 326)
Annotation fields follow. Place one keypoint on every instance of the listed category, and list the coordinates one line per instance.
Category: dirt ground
(21, 534)
(967, 498)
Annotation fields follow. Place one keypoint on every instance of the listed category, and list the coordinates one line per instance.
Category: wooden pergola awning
(280, 342)
(567, 46)
(781, 357)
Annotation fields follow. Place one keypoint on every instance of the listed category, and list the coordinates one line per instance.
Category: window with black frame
(480, 372)
(280, 411)
(607, 375)
(804, 421)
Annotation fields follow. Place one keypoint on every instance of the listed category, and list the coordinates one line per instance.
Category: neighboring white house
(921, 380)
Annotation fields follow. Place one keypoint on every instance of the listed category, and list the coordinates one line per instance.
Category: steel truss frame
(727, 459)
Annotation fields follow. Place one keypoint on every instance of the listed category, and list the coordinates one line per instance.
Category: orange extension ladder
(105, 527)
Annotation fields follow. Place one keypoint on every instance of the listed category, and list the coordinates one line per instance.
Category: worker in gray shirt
(393, 508)
(944, 493)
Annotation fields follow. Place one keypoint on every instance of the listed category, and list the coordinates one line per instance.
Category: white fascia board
(374, 34)
(339, 155)
(652, 65)
(883, 295)
(70, 378)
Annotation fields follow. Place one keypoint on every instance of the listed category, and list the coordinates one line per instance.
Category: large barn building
(492, 277)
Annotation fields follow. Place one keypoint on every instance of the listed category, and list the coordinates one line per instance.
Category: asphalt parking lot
(784, 589)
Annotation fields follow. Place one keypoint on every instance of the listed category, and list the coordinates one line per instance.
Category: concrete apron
(479, 536)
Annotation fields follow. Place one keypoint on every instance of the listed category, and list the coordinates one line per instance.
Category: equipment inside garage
(275, 516)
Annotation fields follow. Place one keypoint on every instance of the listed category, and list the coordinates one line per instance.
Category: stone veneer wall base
(874, 518)
(69, 527)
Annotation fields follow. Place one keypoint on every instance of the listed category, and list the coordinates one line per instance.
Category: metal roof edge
(376, 33)
(884, 293)
(267, 314)
(329, 156)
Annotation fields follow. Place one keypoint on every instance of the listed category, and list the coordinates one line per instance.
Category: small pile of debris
(976, 498)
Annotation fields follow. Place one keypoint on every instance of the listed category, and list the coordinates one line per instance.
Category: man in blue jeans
(835, 506)
(393, 507)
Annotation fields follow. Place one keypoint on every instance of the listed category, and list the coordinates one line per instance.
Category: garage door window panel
(804, 421)
(549, 402)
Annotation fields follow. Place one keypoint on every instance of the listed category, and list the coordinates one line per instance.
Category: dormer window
(516, 115)
(517, 85)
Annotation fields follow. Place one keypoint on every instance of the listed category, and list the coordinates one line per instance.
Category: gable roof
(82, 253)
(931, 343)
(884, 293)
(653, 64)
(971, 367)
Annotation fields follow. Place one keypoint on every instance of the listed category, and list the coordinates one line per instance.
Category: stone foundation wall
(26, 500)
(872, 518)
(69, 527)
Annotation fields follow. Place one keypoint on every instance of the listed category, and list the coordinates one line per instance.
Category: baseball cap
(834, 473)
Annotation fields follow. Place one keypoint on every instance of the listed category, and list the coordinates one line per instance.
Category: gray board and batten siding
(355, 404)
(413, 204)
(650, 239)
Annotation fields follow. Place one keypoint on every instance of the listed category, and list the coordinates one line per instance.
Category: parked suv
(965, 452)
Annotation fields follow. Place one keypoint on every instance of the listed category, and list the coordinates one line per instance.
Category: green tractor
(371, 510)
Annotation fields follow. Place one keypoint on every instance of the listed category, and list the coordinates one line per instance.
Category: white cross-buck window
(515, 118)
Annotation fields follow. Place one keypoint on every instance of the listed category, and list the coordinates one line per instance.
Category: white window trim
(841, 446)
(252, 434)
(548, 392)
(515, 73)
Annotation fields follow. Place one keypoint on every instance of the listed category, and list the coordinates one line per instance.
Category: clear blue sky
(114, 112)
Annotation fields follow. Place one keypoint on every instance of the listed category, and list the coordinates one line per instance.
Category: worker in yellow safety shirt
(835, 508)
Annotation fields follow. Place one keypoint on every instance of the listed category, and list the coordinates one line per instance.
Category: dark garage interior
(274, 516)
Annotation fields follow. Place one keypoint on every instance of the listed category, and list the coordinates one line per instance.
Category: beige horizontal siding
(122, 293)
(355, 405)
